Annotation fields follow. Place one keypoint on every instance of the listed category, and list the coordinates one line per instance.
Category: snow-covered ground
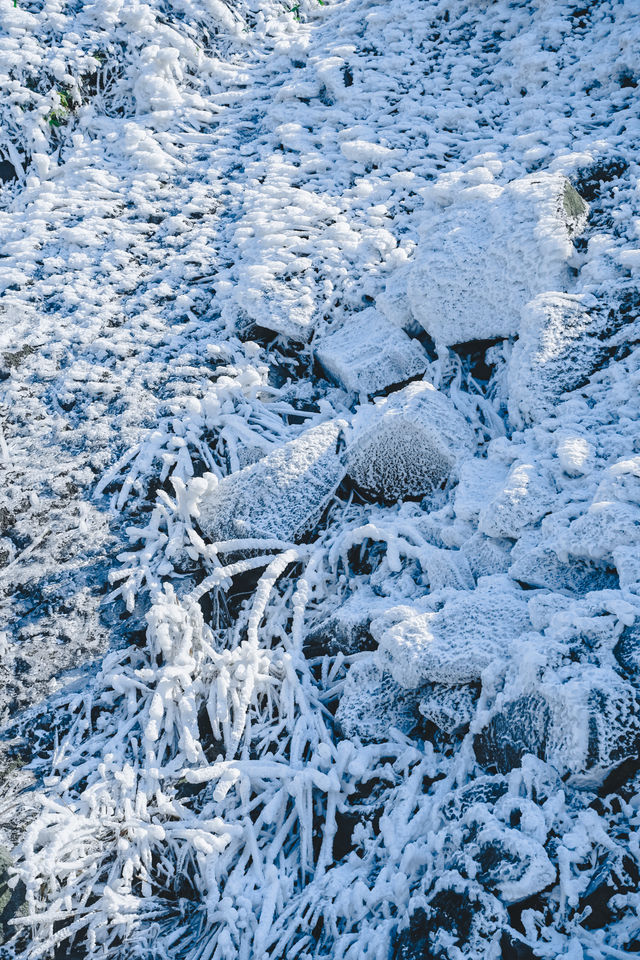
(320, 500)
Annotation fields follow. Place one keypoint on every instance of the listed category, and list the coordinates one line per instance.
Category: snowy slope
(410, 728)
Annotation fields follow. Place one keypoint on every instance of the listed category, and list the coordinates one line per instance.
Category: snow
(291, 669)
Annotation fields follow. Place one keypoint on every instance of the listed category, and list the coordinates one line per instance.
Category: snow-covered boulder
(346, 630)
(370, 353)
(541, 567)
(488, 249)
(455, 644)
(626, 559)
(282, 494)
(563, 340)
(605, 526)
(407, 444)
(487, 556)
(479, 482)
(372, 702)
(527, 495)
(450, 709)
(585, 725)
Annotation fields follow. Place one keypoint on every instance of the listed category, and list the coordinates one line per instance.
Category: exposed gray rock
(407, 444)
(370, 353)
(282, 494)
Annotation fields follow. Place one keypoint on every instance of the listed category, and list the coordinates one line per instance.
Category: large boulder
(407, 444)
(563, 340)
(455, 644)
(370, 353)
(372, 702)
(584, 722)
(280, 496)
(488, 249)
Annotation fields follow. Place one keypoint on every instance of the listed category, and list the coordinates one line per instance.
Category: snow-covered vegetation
(320, 500)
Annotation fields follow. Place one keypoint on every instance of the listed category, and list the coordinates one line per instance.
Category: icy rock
(282, 494)
(627, 652)
(447, 568)
(486, 555)
(616, 874)
(563, 340)
(393, 301)
(512, 864)
(483, 790)
(527, 495)
(627, 563)
(600, 169)
(585, 726)
(347, 629)
(372, 702)
(460, 910)
(454, 645)
(540, 567)
(518, 728)
(407, 444)
(480, 481)
(575, 454)
(620, 481)
(369, 353)
(450, 709)
(12, 900)
(604, 527)
(488, 250)
(464, 913)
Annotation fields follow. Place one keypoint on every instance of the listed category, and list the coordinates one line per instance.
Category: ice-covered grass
(196, 183)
